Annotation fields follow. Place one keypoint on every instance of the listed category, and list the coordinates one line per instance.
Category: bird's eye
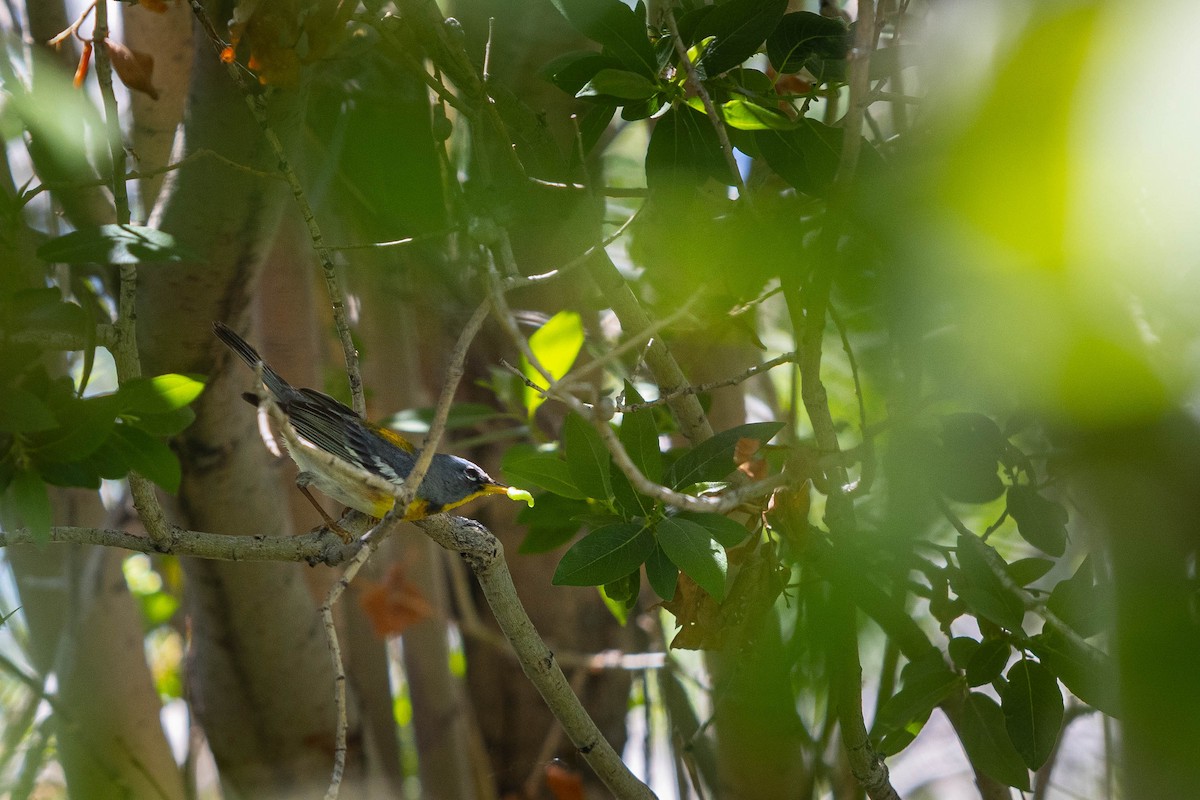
(474, 475)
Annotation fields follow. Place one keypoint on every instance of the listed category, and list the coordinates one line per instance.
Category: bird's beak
(495, 488)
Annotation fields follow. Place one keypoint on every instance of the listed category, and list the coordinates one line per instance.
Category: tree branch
(484, 554)
(312, 548)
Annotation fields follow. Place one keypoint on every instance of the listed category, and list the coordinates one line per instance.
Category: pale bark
(259, 672)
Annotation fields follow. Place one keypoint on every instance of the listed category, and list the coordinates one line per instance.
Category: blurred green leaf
(684, 150)
(28, 504)
(556, 346)
(22, 412)
(988, 661)
(525, 466)
(619, 83)
(1025, 571)
(572, 71)
(985, 738)
(804, 39)
(462, 415)
(1088, 672)
(1081, 603)
(746, 115)
(604, 555)
(961, 649)
(712, 459)
(148, 456)
(740, 27)
(1033, 711)
(615, 25)
(171, 423)
(161, 394)
(980, 587)
(806, 155)
(915, 701)
(86, 424)
(1041, 522)
(692, 548)
(587, 457)
(115, 244)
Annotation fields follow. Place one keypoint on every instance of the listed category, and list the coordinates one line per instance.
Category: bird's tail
(275, 383)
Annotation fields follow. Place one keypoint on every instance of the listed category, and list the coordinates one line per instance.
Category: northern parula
(335, 429)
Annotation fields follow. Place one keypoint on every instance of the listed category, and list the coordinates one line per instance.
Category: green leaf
(161, 394)
(148, 456)
(168, 424)
(23, 411)
(556, 346)
(1041, 522)
(978, 585)
(806, 156)
(804, 39)
(1025, 571)
(587, 457)
(461, 416)
(727, 532)
(746, 115)
(627, 500)
(639, 436)
(615, 25)
(712, 459)
(684, 150)
(912, 705)
(966, 464)
(985, 738)
(961, 649)
(115, 244)
(86, 425)
(80, 474)
(662, 574)
(624, 590)
(604, 555)
(1088, 672)
(1081, 603)
(691, 548)
(740, 27)
(525, 466)
(550, 522)
(571, 71)
(988, 661)
(28, 504)
(619, 83)
(1033, 711)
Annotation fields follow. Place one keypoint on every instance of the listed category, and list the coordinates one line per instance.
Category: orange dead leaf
(395, 604)
(787, 513)
(84, 60)
(157, 6)
(227, 55)
(743, 455)
(563, 783)
(134, 68)
(698, 616)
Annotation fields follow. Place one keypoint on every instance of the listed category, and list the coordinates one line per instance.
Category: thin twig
(709, 109)
(519, 281)
(142, 174)
(757, 369)
(336, 299)
(125, 352)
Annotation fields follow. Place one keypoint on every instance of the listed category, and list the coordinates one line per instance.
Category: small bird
(332, 428)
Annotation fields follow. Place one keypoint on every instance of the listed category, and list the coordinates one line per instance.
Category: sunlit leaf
(161, 394)
(114, 244)
(692, 548)
(556, 346)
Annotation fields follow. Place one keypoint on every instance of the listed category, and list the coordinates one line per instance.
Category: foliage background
(930, 278)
